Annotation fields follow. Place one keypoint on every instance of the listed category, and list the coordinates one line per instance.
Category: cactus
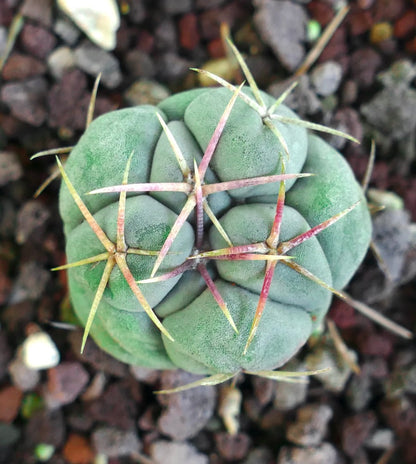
(210, 232)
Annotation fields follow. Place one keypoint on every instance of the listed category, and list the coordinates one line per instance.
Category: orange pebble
(77, 450)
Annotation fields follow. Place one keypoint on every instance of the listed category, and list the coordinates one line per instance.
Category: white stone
(61, 60)
(39, 351)
(99, 19)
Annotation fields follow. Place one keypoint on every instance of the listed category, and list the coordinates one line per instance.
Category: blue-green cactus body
(204, 342)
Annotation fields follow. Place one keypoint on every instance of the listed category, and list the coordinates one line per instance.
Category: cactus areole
(207, 233)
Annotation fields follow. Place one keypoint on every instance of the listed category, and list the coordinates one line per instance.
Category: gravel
(93, 60)
(164, 452)
(26, 100)
(282, 25)
(10, 168)
(112, 442)
(324, 453)
(311, 425)
(187, 412)
(106, 408)
(326, 78)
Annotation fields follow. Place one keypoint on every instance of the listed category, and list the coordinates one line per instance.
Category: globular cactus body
(204, 341)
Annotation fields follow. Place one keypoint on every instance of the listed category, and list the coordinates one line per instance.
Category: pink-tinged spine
(249, 182)
(122, 264)
(212, 145)
(268, 278)
(284, 247)
(180, 221)
(146, 187)
(199, 208)
(216, 294)
(273, 238)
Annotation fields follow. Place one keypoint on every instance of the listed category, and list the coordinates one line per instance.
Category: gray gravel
(165, 452)
(113, 442)
(187, 412)
(282, 25)
(324, 453)
(93, 60)
(311, 425)
(326, 78)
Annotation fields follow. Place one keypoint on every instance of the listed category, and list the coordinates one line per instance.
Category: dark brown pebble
(5, 354)
(375, 344)
(92, 354)
(187, 412)
(188, 31)
(38, 10)
(10, 400)
(405, 25)
(67, 101)
(359, 22)
(6, 14)
(19, 67)
(45, 427)
(216, 48)
(232, 447)
(364, 65)
(336, 47)
(115, 407)
(388, 10)
(26, 100)
(37, 41)
(65, 382)
(355, 430)
(320, 11)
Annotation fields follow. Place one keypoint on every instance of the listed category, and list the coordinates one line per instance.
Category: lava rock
(113, 442)
(10, 168)
(176, 7)
(356, 430)
(30, 283)
(326, 78)
(65, 382)
(364, 65)
(310, 426)
(232, 447)
(37, 41)
(38, 10)
(26, 100)
(92, 354)
(115, 407)
(24, 378)
(45, 427)
(10, 400)
(282, 25)
(93, 60)
(164, 452)
(187, 412)
(30, 218)
(324, 453)
(19, 67)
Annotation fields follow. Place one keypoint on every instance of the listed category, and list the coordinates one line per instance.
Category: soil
(92, 408)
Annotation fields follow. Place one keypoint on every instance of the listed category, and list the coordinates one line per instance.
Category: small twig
(380, 261)
(370, 167)
(341, 347)
(313, 55)
(14, 30)
(385, 457)
(141, 458)
(91, 106)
